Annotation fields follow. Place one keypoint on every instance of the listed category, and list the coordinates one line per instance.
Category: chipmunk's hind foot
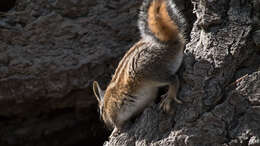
(166, 105)
(170, 96)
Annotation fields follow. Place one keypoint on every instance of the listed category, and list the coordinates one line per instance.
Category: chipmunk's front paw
(166, 104)
(114, 133)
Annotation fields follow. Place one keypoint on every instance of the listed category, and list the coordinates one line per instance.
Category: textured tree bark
(220, 84)
(52, 50)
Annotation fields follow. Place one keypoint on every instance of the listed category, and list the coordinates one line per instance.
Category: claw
(114, 133)
(165, 105)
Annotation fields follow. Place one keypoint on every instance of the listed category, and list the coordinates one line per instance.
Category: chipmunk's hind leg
(171, 95)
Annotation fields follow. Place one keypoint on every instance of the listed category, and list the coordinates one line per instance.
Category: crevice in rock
(6, 5)
(74, 124)
(247, 67)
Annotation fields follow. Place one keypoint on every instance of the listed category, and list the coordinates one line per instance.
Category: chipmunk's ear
(99, 93)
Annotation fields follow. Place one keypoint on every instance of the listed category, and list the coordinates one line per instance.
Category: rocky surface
(52, 50)
(232, 122)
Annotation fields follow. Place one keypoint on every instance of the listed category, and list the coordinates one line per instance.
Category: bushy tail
(162, 21)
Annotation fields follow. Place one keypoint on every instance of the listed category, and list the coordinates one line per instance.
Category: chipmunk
(150, 63)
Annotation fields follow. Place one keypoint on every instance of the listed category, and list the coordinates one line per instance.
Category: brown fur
(160, 23)
(120, 84)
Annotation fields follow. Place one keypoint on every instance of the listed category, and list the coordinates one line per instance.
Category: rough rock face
(50, 52)
(220, 84)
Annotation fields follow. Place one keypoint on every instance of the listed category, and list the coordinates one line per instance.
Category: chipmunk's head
(99, 93)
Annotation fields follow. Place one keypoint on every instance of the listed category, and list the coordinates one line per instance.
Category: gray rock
(52, 50)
